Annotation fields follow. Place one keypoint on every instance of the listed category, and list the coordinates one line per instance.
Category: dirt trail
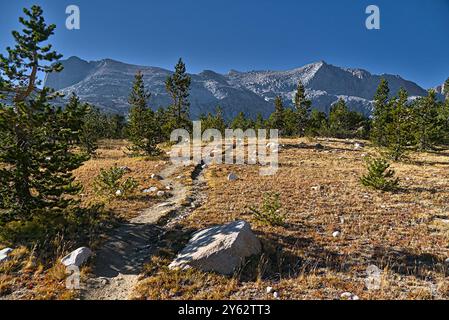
(119, 262)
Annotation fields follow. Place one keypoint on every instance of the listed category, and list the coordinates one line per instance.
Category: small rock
(118, 193)
(77, 257)
(316, 188)
(302, 145)
(446, 261)
(204, 166)
(150, 190)
(269, 289)
(179, 177)
(319, 146)
(349, 296)
(336, 234)
(160, 193)
(358, 146)
(276, 295)
(125, 169)
(165, 204)
(168, 188)
(232, 177)
(156, 177)
(346, 295)
(4, 253)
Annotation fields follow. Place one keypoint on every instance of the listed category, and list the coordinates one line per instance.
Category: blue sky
(253, 34)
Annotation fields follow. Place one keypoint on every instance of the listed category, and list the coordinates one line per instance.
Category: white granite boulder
(77, 257)
(4, 254)
(220, 249)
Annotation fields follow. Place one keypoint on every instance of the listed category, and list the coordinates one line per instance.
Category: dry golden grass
(113, 153)
(24, 276)
(405, 233)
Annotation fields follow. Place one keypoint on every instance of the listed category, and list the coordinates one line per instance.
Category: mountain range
(107, 84)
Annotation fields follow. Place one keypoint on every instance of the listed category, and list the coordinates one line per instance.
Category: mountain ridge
(107, 83)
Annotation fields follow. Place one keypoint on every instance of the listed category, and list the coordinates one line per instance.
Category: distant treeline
(397, 122)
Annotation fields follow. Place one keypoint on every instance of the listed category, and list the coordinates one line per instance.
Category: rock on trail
(221, 249)
(119, 262)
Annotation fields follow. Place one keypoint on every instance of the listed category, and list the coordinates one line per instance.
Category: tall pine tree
(427, 125)
(178, 86)
(277, 118)
(142, 128)
(381, 114)
(399, 129)
(35, 146)
(302, 108)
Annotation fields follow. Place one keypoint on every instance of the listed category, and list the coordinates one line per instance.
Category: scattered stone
(336, 234)
(77, 257)
(179, 177)
(150, 190)
(232, 177)
(156, 177)
(349, 296)
(168, 188)
(269, 290)
(319, 146)
(4, 253)
(118, 193)
(160, 193)
(165, 204)
(358, 146)
(302, 145)
(221, 249)
(276, 295)
(125, 169)
(316, 188)
(346, 295)
(204, 166)
(446, 261)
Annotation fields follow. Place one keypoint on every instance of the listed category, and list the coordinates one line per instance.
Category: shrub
(379, 176)
(270, 212)
(111, 183)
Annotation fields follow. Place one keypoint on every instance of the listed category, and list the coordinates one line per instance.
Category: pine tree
(381, 114)
(399, 130)
(318, 124)
(277, 120)
(74, 113)
(339, 119)
(213, 121)
(302, 107)
(142, 128)
(90, 131)
(240, 122)
(35, 142)
(427, 126)
(380, 176)
(260, 122)
(290, 123)
(178, 86)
